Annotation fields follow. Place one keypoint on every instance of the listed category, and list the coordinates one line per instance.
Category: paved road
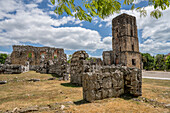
(156, 75)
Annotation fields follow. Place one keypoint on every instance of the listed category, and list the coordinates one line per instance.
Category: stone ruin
(40, 59)
(125, 43)
(34, 54)
(108, 57)
(13, 68)
(9, 68)
(56, 66)
(81, 63)
(119, 72)
(100, 81)
(111, 81)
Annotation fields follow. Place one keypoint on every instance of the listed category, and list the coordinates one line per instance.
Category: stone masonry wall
(80, 63)
(76, 66)
(56, 66)
(108, 57)
(34, 54)
(125, 43)
(111, 81)
(12, 69)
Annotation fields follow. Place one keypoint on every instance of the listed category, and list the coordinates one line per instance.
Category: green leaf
(67, 10)
(87, 9)
(53, 2)
(133, 7)
(156, 14)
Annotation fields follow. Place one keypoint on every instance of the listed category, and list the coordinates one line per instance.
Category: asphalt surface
(156, 75)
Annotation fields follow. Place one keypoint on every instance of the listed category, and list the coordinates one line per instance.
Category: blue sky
(33, 22)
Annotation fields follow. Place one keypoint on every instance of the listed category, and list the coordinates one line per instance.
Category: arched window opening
(42, 56)
(55, 56)
(29, 55)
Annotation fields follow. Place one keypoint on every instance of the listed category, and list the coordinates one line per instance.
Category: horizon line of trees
(159, 62)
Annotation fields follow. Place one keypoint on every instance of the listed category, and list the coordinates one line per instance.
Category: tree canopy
(3, 58)
(104, 8)
(148, 61)
(159, 62)
(167, 62)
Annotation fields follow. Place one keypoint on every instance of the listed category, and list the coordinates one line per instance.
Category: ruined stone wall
(111, 81)
(108, 57)
(13, 69)
(56, 66)
(77, 67)
(133, 60)
(125, 41)
(36, 53)
(81, 63)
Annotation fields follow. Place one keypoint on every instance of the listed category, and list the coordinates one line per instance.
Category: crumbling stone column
(76, 67)
(133, 81)
(80, 63)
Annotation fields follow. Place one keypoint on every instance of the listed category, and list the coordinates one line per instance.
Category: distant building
(22, 54)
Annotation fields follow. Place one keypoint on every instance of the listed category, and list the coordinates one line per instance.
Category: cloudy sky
(33, 22)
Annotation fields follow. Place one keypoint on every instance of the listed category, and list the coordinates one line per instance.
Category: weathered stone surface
(12, 69)
(125, 43)
(111, 81)
(81, 63)
(108, 57)
(56, 66)
(34, 54)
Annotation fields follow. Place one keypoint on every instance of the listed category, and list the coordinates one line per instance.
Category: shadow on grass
(55, 75)
(69, 85)
(80, 102)
(127, 96)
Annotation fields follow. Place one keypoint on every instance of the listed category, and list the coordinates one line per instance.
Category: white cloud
(31, 24)
(95, 56)
(138, 1)
(38, 1)
(155, 30)
(155, 47)
(95, 20)
(100, 25)
(4, 52)
(9, 5)
(81, 24)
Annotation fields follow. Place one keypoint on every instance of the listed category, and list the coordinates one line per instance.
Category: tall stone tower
(125, 41)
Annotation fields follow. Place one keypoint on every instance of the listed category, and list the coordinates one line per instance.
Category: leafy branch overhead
(86, 9)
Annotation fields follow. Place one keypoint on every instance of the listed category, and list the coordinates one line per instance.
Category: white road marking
(156, 78)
